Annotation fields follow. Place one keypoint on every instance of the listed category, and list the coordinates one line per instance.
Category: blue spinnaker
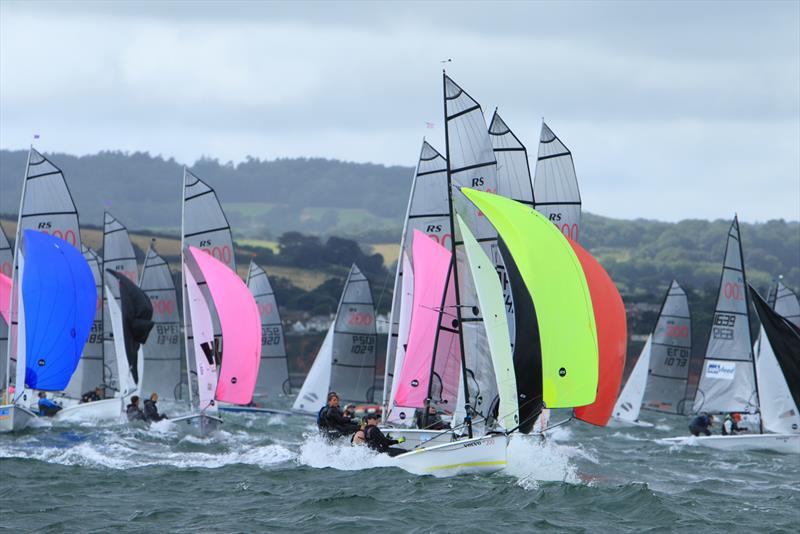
(59, 295)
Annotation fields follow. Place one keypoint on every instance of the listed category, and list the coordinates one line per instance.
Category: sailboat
(54, 296)
(659, 380)
(210, 283)
(785, 303)
(162, 355)
(226, 367)
(556, 185)
(345, 362)
(729, 381)
(273, 373)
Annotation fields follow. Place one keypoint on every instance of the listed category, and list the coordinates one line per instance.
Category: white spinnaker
(786, 304)
(471, 163)
(406, 305)
(162, 352)
(727, 383)
(428, 212)
(629, 402)
(778, 411)
(126, 385)
(205, 226)
(202, 338)
(118, 256)
(46, 205)
(6, 268)
(273, 372)
(555, 186)
(313, 394)
(493, 310)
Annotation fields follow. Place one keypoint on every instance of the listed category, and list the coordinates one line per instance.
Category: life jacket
(322, 417)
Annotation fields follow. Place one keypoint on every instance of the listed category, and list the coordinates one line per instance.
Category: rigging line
(383, 291)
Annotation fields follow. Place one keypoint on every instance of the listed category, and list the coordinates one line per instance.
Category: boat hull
(621, 423)
(485, 454)
(418, 438)
(258, 410)
(198, 424)
(14, 418)
(102, 410)
(783, 443)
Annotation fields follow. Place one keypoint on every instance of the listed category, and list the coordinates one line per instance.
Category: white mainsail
(555, 186)
(46, 205)
(118, 256)
(786, 304)
(428, 211)
(727, 383)
(125, 383)
(162, 352)
(90, 367)
(202, 341)
(671, 353)
(315, 388)
(629, 402)
(273, 373)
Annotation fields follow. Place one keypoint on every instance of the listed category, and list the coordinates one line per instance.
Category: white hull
(235, 408)
(486, 454)
(621, 423)
(14, 418)
(784, 443)
(418, 438)
(102, 410)
(198, 424)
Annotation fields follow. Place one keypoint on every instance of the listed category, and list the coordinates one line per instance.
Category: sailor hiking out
(699, 425)
(377, 441)
(332, 422)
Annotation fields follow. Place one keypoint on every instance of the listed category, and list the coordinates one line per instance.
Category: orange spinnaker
(612, 337)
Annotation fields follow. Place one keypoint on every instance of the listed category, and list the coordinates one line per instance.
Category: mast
(467, 407)
(183, 291)
(15, 281)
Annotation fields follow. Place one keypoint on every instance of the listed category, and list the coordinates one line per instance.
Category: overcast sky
(672, 110)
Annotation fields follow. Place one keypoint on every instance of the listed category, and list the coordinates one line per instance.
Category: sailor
(699, 425)
(358, 438)
(133, 411)
(47, 408)
(151, 410)
(431, 421)
(95, 395)
(730, 425)
(332, 421)
(376, 440)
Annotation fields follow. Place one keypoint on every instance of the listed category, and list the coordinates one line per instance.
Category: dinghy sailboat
(785, 303)
(54, 296)
(162, 354)
(659, 379)
(729, 381)
(345, 362)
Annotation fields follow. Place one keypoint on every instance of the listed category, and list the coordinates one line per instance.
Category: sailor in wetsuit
(699, 425)
(376, 440)
(133, 411)
(730, 425)
(332, 422)
(47, 408)
(91, 396)
(151, 409)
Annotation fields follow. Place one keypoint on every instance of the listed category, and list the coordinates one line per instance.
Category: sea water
(273, 473)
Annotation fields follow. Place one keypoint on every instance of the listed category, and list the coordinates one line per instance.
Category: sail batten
(555, 186)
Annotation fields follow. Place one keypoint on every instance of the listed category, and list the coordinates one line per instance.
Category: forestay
(786, 304)
(46, 206)
(273, 373)
(162, 353)
(564, 315)
(354, 341)
(57, 310)
(668, 379)
(777, 369)
(428, 211)
(119, 257)
(727, 383)
(629, 403)
(555, 187)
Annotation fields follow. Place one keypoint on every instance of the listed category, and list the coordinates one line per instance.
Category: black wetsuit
(334, 423)
(90, 396)
(151, 411)
(134, 413)
(699, 425)
(430, 422)
(376, 440)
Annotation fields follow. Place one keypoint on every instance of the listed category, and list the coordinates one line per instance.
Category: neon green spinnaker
(493, 310)
(554, 278)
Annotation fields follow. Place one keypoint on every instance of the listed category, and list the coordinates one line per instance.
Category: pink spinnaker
(432, 294)
(241, 329)
(5, 297)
